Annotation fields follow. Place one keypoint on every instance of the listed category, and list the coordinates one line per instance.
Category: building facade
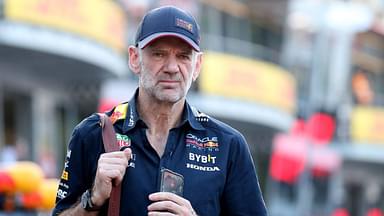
(53, 57)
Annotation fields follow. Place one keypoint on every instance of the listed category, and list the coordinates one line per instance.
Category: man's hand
(171, 203)
(110, 170)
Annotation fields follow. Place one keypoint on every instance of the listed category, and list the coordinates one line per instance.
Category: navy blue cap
(168, 21)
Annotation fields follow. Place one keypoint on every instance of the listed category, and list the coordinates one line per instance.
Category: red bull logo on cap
(184, 24)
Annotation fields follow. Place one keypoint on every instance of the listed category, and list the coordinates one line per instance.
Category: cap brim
(142, 44)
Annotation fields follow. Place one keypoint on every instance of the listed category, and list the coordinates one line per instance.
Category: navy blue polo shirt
(214, 159)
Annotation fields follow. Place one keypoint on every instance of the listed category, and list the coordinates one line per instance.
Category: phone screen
(171, 182)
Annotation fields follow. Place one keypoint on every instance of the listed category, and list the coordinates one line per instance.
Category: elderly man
(168, 143)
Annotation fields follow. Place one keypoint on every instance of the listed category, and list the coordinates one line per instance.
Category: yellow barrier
(25, 187)
(247, 79)
(102, 20)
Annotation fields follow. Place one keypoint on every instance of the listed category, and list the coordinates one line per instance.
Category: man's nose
(172, 65)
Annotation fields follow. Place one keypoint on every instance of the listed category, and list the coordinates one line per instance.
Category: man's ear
(198, 65)
(134, 59)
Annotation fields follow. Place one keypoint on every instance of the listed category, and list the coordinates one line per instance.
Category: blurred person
(13, 152)
(8, 155)
(47, 162)
(361, 88)
(160, 131)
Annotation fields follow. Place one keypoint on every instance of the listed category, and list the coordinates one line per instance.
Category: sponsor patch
(203, 168)
(131, 162)
(120, 112)
(61, 194)
(66, 164)
(201, 117)
(205, 159)
(208, 143)
(131, 121)
(201, 162)
(64, 185)
(69, 152)
(65, 175)
(123, 140)
(184, 24)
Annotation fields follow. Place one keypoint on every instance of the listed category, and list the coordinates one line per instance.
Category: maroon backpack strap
(110, 145)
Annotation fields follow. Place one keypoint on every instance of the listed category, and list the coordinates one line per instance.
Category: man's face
(167, 69)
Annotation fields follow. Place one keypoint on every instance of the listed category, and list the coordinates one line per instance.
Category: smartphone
(172, 182)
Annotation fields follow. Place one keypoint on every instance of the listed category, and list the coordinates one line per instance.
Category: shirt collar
(190, 115)
(132, 115)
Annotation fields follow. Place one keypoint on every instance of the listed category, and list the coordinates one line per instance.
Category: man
(208, 161)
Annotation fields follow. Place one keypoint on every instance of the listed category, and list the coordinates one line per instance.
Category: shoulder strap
(109, 134)
(110, 145)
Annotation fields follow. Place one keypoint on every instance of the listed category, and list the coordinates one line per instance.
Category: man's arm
(110, 170)
(78, 210)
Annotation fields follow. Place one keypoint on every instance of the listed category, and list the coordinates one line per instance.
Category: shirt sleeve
(242, 195)
(72, 183)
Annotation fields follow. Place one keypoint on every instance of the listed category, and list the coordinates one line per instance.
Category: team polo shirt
(213, 158)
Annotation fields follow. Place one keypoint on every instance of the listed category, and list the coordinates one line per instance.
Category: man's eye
(184, 57)
(158, 54)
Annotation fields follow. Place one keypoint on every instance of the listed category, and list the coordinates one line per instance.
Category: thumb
(128, 153)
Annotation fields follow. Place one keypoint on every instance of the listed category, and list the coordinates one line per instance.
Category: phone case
(172, 182)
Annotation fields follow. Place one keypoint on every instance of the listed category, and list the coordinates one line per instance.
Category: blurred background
(303, 80)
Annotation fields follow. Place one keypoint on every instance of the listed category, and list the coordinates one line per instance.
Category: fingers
(106, 160)
(169, 206)
(161, 196)
(112, 165)
(172, 203)
(160, 214)
(128, 153)
(112, 172)
(111, 168)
